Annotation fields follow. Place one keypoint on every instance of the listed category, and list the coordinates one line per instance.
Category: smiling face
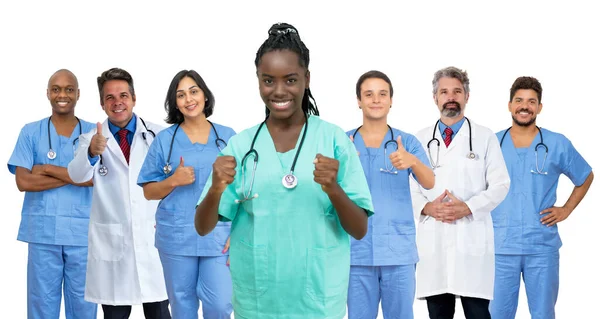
(190, 98)
(118, 102)
(450, 97)
(375, 99)
(524, 107)
(63, 93)
(282, 82)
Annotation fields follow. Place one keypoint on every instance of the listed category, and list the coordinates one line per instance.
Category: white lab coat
(123, 265)
(458, 258)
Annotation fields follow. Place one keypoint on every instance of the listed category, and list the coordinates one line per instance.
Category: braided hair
(283, 36)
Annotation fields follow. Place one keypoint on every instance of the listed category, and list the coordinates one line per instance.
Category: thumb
(319, 156)
(181, 161)
(399, 141)
(98, 128)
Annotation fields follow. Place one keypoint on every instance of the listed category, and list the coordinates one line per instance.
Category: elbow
(201, 228)
(361, 230)
(430, 182)
(361, 235)
(202, 231)
(147, 193)
(23, 186)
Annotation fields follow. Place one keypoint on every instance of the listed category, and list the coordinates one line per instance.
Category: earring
(205, 99)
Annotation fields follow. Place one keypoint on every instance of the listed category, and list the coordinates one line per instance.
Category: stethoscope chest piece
(51, 154)
(472, 155)
(289, 181)
(167, 169)
(102, 170)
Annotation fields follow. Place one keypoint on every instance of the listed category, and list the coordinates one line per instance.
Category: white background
(494, 42)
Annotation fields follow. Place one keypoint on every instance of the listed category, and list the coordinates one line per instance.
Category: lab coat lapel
(138, 145)
(460, 136)
(112, 144)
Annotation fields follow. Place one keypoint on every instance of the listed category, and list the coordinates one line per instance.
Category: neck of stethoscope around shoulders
(538, 170)
(218, 141)
(470, 155)
(51, 153)
(541, 143)
(435, 127)
(386, 143)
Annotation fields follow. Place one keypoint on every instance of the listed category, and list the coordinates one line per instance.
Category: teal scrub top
(290, 256)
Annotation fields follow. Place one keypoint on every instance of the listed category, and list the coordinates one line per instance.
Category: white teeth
(118, 111)
(62, 103)
(280, 104)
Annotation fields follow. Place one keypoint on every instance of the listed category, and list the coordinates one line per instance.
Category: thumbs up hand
(184, 175)
(98, 142)
(401, 159)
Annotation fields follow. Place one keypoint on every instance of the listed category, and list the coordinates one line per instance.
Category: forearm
(158, 190)
(63, 174)
(354, 219)
(578, 193)
(424, 175)
(207, 213)
(27, 182)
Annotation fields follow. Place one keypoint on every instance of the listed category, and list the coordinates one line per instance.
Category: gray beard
(451, 113)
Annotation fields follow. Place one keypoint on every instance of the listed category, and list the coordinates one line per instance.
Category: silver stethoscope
(51, 153)
(538, 145)
(387, 169)
(470, 154)
(167, 169)
(288, 181)
(103, 170)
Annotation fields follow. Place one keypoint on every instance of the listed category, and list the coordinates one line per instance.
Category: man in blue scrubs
(383, 262)
(525, 224)
(56, 210)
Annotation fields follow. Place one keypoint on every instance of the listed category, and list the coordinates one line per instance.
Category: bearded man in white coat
(123, 267)
(455, 235)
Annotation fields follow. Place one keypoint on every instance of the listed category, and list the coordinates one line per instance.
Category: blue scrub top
(390, 239)
(175, 231)
(58, 216)
(517, 226)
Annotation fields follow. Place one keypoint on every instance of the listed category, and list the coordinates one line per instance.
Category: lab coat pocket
(327, 273)
(249, 268)
(401, 237)
(106, 241)
(426, 236)
(471, 237)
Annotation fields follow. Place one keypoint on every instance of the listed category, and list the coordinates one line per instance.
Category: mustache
(445, 105)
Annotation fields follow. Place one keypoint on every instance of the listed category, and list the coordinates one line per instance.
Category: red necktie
(448, 138)
(123, 143)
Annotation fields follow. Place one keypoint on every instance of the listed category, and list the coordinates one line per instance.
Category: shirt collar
(455, 127)
(131, 126)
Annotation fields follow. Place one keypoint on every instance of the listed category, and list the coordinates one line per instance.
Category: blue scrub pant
(193, 278)
(393, 285)
(540, 275)
(49, 267)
